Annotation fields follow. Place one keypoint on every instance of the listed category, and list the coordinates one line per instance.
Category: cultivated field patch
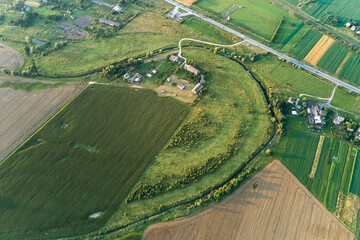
(83, 21)
(186, 2)
(333, 58)
(279, 203)
(73, 173)
(71, 31)
(351, 68)
(10, 58)
(306, 43)
(32, 4)
(319, 50)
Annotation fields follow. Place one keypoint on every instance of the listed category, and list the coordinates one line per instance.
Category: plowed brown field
(280, 207)
(21, 113)
(319, 50)
(186, 2)
(10, 58)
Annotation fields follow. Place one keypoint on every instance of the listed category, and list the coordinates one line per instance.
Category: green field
(297, 151)
(355, 183)
(346, 100)
(260, 17)
(84, 161)
(333, 58)
(289, 44)
(346, 9)
(306, 43)
(351, 68)
(300, 81)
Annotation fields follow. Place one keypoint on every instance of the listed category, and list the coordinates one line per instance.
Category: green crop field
(84, 161)
(348, 171)
(289, 43)
(260, 17)
(297, 151)
(355, 182)
(306, 43)
(333, 58)
(346, 100)
(301, 81)
(351, 68)
(345, 9)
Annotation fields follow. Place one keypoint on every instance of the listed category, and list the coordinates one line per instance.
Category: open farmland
(319, 50)
(280, 207)
(260, 17)
(186, 2)
(346, 100)
(333, 58)
(351, 68)
(10, 58)
(306, 43)
(21, 113)
(73, 173)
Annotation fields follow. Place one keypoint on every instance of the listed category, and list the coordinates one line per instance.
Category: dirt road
(280, 207)
(21, 113)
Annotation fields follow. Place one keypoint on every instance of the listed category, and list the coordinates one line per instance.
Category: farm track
(280, 204)
(22, 113)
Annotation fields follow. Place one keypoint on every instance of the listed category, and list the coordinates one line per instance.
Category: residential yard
(66, 180)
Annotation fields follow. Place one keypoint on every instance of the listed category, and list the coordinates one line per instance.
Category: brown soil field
(83, 21)
(10, 58)
(186, 2)
(21, 113)
(71, 31)
(319, 50)
(32, 4)
(280, 207)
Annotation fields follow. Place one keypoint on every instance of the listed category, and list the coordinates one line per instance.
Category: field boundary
(340, 68)
(319, 50)
(317, 157)
(43, 125)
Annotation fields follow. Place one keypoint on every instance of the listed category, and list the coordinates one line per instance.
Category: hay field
(32, 4)
(21, 113)
(186, 2)
(319, 50)
(10, 58)
(280, 207)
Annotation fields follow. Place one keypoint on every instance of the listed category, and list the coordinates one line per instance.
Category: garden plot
(71, 31)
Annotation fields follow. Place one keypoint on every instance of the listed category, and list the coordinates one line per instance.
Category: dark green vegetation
(306, 43)
(28, 87)
(351, 69)
(333, 58)
(84, 161)
(355, 183)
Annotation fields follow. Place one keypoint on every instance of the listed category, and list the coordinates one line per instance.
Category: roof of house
(192, 69)
(181, 86)
(197, 88)
(112, 23)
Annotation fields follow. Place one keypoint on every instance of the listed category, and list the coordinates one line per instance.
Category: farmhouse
(314, 111)
(358, 32)
(192, 69)
(173, 58)
(181, 86)
(149, 75)
(137, 78)
(197, 88)
(357, 134)
(294, 113)
(353, 28)
(338, 120)
(117, 8)
(348, 25)
(109, 22)
(103, 3)
(127, 76)
(154, 71)
(202, 81)
(291, 100)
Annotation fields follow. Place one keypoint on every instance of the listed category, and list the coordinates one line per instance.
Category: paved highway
(302, 65)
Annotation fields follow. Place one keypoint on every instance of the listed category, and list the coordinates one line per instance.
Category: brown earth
(83, 21)
(280, 207)
(319, 50)
(32, 4)
(71, 31)
(186, 2)
(21, 113)
(10, 58)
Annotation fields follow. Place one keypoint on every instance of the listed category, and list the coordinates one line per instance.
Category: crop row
(308, 41)
(333, 58)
